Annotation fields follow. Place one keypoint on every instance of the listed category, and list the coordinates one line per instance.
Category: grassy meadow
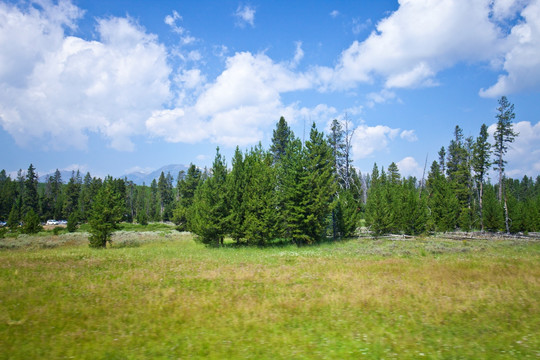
(161, 295)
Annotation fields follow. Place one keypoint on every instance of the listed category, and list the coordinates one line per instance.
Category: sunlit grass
(169, 297)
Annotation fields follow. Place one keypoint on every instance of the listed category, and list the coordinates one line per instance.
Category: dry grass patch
(174, 298)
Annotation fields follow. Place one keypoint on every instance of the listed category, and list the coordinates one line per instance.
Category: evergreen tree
(210, 208)
(503, 136)
(493, 213)
(481, 162)
(259, 201)
(85, 198)
(294, 187)
(378, 210)
(322, 185)
(72, 222)
(281, 138)
(443, 206)
(30, 194)
(347, 213)
(186, 192)
(442, 161)
(13, 218)
(7, 195)
(107, 211)
(236, 188)
(458, 169)
(413, 209)
(166, 197)
(31, 224)
(71, 194)
(154, 209)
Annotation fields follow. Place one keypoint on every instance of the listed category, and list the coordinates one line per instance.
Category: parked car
(52, 222)
(62, 222)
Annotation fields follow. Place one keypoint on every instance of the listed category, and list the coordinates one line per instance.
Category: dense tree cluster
(295, 191)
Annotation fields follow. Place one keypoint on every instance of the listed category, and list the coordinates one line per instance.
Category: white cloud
(523, 155)
(334, 13)
(235, 108)
(522, 61)
(298, 55)
(370, 139)
(245, 16)
(408, 166)
(175, 126)
(380, 97)
(419, 39)
(423, 37)
(408, 135)
(505, 9)
(67, 86)
(172, 21)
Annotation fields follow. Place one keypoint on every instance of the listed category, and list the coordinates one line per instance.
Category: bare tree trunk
(506, 215)
(481, 195)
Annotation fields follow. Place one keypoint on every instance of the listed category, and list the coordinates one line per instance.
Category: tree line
(296, 191)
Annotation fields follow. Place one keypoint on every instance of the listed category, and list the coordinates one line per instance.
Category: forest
(295, 191)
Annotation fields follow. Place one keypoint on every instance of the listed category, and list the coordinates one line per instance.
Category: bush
(72, 223)
(31, 223)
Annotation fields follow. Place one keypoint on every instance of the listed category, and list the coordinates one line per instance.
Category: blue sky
(116, 86)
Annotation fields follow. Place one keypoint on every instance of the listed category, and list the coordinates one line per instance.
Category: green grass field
(160, 295)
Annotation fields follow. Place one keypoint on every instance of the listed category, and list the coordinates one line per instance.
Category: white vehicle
(52, 222)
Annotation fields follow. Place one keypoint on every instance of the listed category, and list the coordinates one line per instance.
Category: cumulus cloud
(408, 166)
(68, 86)
(334, 13)
(245, 15)
(522, 61)
(423, 37)
(419, 39)
(370, 139)
(523, 155)
(236, 107)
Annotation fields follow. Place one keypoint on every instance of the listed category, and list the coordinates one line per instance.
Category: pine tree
(493, 212)
(259, 200)
(321, 177)
(154, 208)
(378, 210)
(31, 224)
(7, 195)
(186, 192)
(236, 188)
(458, 169)
(165, 190)
(481, 162)
(30, 194)
(281, 139)
(503, 136)
(443, 206)
(107, 211)
(13, 218)
(413, 209)
(293, 194)
(210, 208)
(71, 195)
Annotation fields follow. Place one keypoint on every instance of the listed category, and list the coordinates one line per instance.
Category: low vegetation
(159, 294)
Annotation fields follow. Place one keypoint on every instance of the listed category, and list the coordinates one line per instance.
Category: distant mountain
(65, 174)
(139, 177)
